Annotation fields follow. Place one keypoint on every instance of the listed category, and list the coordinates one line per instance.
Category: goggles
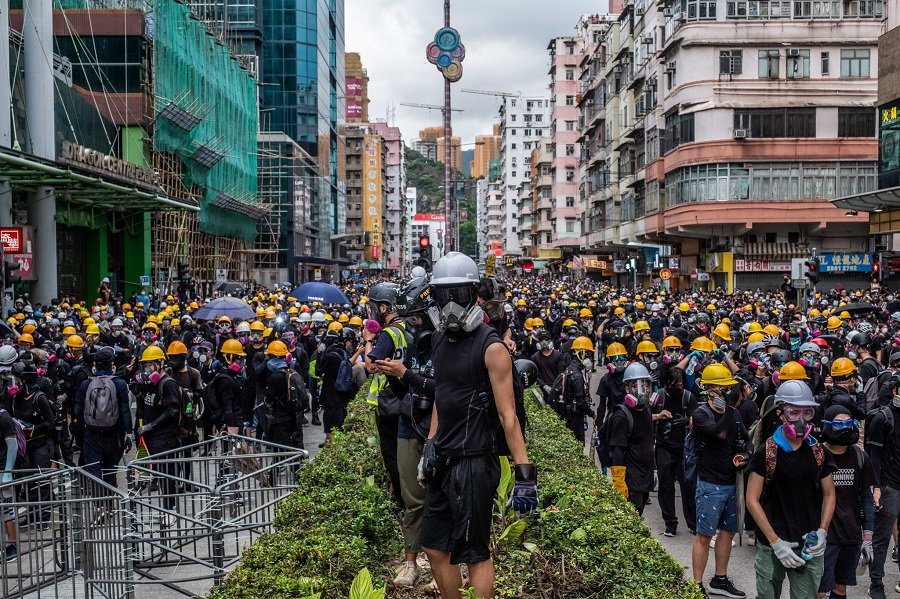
(794, 413)
(841, 424)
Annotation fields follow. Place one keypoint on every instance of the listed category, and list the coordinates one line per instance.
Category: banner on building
(373, 194)
(845, 262)
(745, 265)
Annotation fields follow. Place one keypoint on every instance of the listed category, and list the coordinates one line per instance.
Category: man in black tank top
(474, 412)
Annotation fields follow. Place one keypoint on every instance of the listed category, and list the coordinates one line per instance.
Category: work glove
(129, 442)
(524, 498)
(427, 463)
(143, 430)
(784, 551)
(819, 548)
(6, 479)
(618, 480)
(867, 545)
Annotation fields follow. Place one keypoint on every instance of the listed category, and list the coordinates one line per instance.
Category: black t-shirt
(639, 447)
(792, 500)
(721, 437)
(548, 367)
(849, 480)
(670, 432)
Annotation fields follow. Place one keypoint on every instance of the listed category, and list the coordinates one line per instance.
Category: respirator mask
(456, 311)
(797, 422)
(841, 432)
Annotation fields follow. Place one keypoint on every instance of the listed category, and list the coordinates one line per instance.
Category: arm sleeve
(868, 509)
(170, 401)
(708, 426)
(12, 450)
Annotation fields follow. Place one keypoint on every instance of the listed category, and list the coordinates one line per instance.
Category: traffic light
(9, 272)
(811, 270)
(424, 259)
(876, 270)
(183, 272)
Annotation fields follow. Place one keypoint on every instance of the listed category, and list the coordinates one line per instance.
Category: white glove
(867, 545)
(819, 548)
(784, 551)
(420, 471)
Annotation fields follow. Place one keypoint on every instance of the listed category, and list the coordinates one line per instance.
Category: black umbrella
(230, 287)
(857, 308)
(836, 345)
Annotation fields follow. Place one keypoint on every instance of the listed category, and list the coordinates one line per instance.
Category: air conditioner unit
(670, 66)
(679, 17)
(647, 38)
(669, 11)
(741, 133)
(793, 51)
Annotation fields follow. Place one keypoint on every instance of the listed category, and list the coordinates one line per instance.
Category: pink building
(395, 216)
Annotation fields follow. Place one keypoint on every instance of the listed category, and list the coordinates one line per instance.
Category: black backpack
(604, 433)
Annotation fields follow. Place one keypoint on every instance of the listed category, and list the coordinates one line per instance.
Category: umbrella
(319, 292)
(857, 308)
(232, 307)
(836, 344)
(230, 287)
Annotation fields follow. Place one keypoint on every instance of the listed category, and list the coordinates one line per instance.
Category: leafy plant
(362, 587)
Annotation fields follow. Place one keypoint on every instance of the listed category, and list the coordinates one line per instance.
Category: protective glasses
(841, 424)
(793, 413)
(463, 296)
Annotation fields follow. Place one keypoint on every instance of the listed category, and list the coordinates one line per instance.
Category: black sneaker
(895, 554)
(315, 420)
(720, 585)
(671, 530)
(702, 589)
(11, 553)
(877, 592)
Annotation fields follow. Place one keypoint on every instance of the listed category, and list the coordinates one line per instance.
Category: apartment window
(527, 118)
(816, 9)
(679, 130)
(670, 75)
(771, 237)
(547, 238)
(769, 9)
(856, 122)
(570, 125)
(826, 63)
(514, 174)
(513, 146)
(652, 144)
(527, 132)
(769, 64)
(701, 9)
(570, 74)
(570, 175)
(570, 48)
(736, 9)
(570, 226)
(854, 63)
(797, 63)
(570, 202)
(513, 119)
(528, 145)
(731, 62)
(777, 122)
(538, 118)
(570, 100)
(512, 132)
(512, 103)
(862, 8)
(570, 149)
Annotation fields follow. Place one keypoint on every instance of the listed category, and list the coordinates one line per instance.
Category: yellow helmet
(757, 336)
(68, 332)
(844, 315)
(646, 347)
(177, 348)
(754, 327)
(329, 317)
(585, 313)
(232, 347)
(672, 341)
(639, 305)
(842, 367)
(834, 322)
(619, 311)
(343, 318)
(26, 338)
(88, 321)
(703, 344)
(277, 349)
(335, 326)
(152, 354)
(270, 313)
(293, 310)
(520, 303)
(260, 312)
(792, 371)
(615, 349)
(529, 324)
(29, 329)
(723, 331)
(771, 329)
(710, 307)
(74, 341)
(257, 326)
(568, 323)
(684, 307)
(129, 314)
(176, 322)
(641, 325)
(582, 344)
(717, 375)
(356, 321)
(92, 330)
(814, 313)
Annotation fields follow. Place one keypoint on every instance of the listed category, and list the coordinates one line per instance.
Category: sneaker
(720, 585)
(897, 588)
(877, 592)
(315, 420)
(11, 553)
(407, 574)
(751, 538)
(431, 588)
(895, 554)
(671, 530)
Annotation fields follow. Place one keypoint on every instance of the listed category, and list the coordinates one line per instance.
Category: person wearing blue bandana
(791, 496)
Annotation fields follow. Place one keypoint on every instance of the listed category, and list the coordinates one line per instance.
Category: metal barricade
(177, 519)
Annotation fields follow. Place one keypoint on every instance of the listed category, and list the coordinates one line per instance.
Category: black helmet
(414, 297)
(781, 357)
(348, 334)
(860, 339)
(384, 293)
(528, 372)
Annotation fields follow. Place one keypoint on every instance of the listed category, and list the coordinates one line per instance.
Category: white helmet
(318, 317)
(117, 322)
(796, 393)
(242, 327)
(8, 355)
(454, 286)
(636, 372)
(305, 318)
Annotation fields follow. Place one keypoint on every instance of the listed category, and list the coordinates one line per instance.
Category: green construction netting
(197, 72)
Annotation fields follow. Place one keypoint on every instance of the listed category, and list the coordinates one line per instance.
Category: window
(793, 237)
(797, 63)
(570, 226)
(528, 145)
(862, 9)
(771, 237)
(513, 119)
(826, 63)
(538, 118)
(679, 130)
(731, 62)
(817, 9)
(570, 48)
(514, 146)
(777, 122)
(736, 9)
(570, 202)
(570, 74)
(570, 125)
(514, 174)
(570, 100)
(512, 103)
(570, 175)
(854, 63)
(512, 131)
(856, 122)
(701, 9)
(769, 9)
(570, 149)
(527, 132)
(769, 64)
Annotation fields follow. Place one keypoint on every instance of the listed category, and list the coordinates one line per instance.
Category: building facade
(396, 258)
(357, 87)
(715, 139)
(487, 148)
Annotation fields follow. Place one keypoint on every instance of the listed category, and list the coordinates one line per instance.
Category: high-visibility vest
(379, 381)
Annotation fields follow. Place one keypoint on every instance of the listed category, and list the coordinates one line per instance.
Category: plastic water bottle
(811, 539)
(189, 409)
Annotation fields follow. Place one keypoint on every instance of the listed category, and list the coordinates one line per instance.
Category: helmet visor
(463, 296)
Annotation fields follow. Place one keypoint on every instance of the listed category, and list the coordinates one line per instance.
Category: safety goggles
(794, 413)
(841, 424)
(463, 296)
(619, 359)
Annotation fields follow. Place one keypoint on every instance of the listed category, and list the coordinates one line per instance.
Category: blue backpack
(344, 380)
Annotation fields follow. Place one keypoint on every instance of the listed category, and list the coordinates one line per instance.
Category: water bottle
(811, 539)
(189, 409)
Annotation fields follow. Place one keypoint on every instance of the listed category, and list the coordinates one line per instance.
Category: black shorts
(333, 418)
(840, 566)
(459, 507)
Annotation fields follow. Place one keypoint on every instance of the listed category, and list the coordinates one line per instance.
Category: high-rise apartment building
(357, 88)
(715, 135)
(455, 152)
(396, 218)
(523, 121)
(487, 148)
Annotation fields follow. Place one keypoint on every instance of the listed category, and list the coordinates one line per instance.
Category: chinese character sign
(845, 262)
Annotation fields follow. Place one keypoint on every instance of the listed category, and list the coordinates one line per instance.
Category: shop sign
(317, 274)
(18, 247)
(12, 239)
(105, 164)
(845, 263)
(743, 265)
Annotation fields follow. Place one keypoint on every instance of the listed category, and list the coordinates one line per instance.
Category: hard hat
(126, 307)
(260, 312)
(619, 311)
(92, 330)
(814, 313)
(615, 349)
(335, 326)
(68, 332)
(86, 322)
(844, 315)
(537, 322)
(74, 341)
(293, 310)
(257, 326)
(843, 367)
(568, 323)
(176, 322)
(152, 354)
(343, 318)
(529, 324)
(636, 372)
(834, 322)
(224, 319)
(521, 303)
(329, 317)
(26, 338)
(177, 348)
(792, 371)
(582, 344)
(639, 305)
(646, 347)
(771, 329)
(242, 327)
(267, 331)
(684, 307)
(703, 344)
(672, 341)
(717, 375)
(710, 307)
(754, 327)
(356, 321)
(232, 347)
(277, 349)
(795, 393)
(29, 329)
(270, 313)
(641, 325)
(722, 330)
(150, 326)
(585, 313)
(757, 336)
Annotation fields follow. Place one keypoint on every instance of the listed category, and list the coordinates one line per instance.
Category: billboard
(353, 86)
(354, 109)
(372, 195)
(889, 145)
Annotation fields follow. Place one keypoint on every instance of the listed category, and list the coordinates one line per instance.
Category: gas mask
(639, 395)
(149, 335)
(148, 375)
(236, 366)
(672, 356)
(852, 355)
(456, 311)
(841, 432)
(617, 364)
(809, 360)
(14, 384)
(717, 397)
(545, 344)
(651, 361)
(224, 328)
(797, 422)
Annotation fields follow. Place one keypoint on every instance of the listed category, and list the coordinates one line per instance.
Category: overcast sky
(506, 50)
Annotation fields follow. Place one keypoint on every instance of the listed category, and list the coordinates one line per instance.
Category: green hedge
(586, 541)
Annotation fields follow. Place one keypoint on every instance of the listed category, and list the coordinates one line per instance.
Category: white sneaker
(167, 520)
(407, 574)
(751, 539)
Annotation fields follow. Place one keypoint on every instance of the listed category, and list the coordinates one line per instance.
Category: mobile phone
(372, 357)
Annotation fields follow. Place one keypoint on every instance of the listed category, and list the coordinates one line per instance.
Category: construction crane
(429, 106)
(485, 92)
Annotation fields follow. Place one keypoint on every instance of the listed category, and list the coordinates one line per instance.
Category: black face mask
(178, 362)
(845, 436)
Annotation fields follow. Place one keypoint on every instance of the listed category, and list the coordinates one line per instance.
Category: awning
(871, 201)
(26, 172)
(772, 251)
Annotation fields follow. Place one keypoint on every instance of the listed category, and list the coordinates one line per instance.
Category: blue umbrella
(319, 292)
(232, 307)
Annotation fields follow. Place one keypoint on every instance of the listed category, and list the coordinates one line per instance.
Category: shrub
(586, 542)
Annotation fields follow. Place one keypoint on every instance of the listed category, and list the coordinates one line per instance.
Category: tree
(468, 237)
